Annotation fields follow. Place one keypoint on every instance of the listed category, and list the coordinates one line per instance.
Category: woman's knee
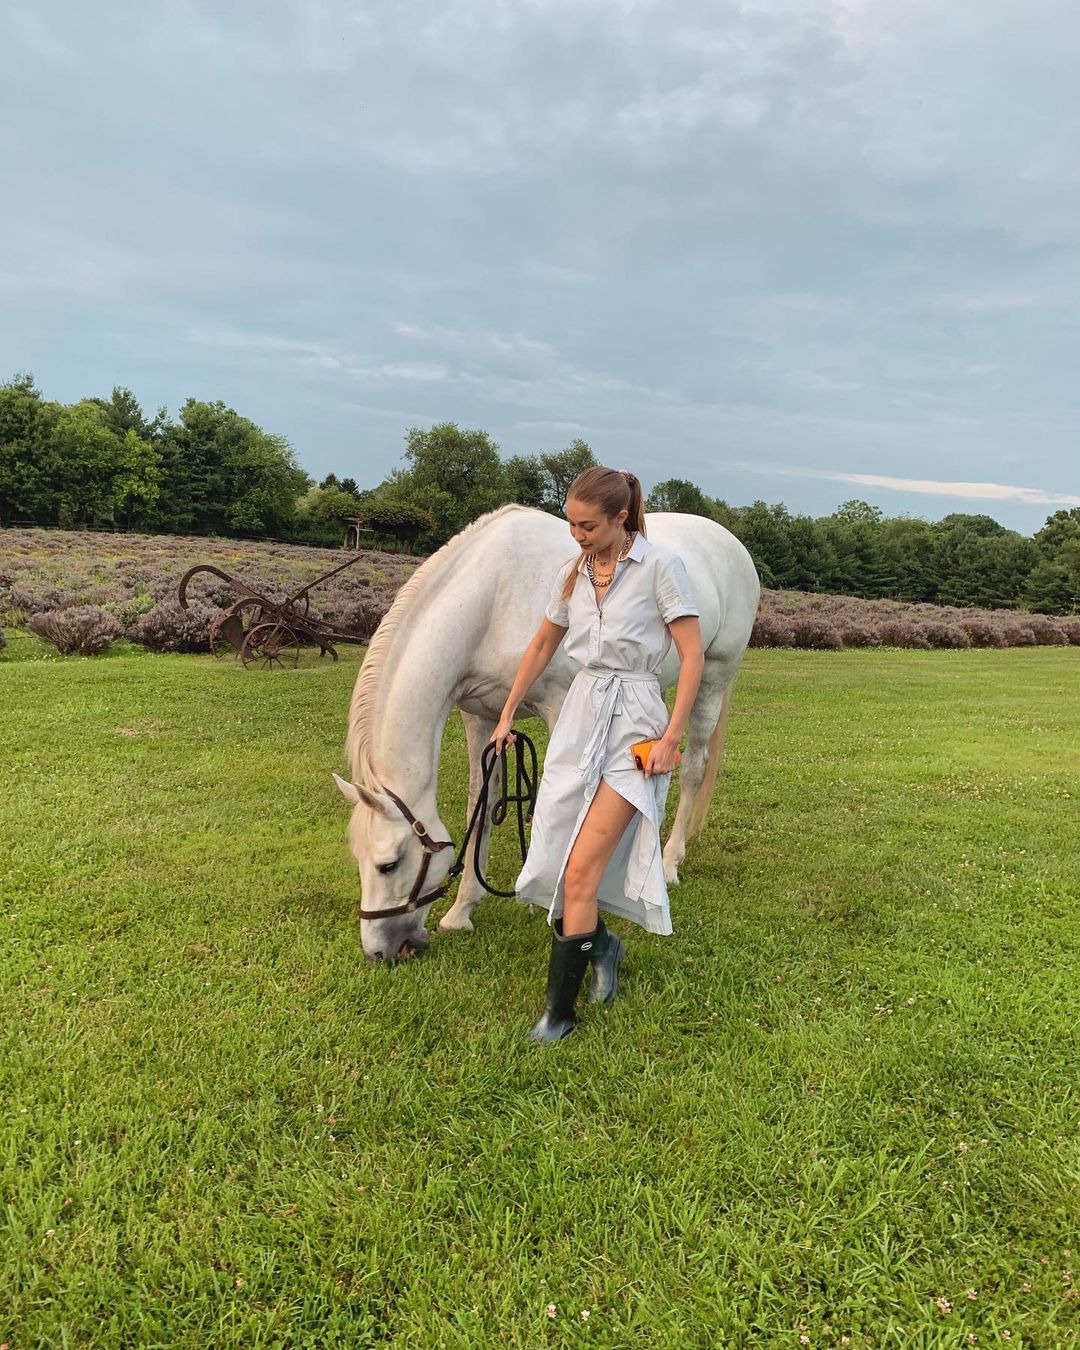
(580, 876)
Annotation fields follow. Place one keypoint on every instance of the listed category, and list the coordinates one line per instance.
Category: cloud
(707, 99)
(835, 232)
(818, 382)
(1000, 492)
(995, 302)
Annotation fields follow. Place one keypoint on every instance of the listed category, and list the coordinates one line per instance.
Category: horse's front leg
(478, 731)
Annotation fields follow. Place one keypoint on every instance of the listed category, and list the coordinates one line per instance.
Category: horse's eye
(387, 867)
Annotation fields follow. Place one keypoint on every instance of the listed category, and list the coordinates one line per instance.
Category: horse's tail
(712, 767)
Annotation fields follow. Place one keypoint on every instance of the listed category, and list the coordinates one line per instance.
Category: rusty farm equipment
(269, 632)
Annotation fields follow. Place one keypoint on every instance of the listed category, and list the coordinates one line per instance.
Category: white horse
(454, 637)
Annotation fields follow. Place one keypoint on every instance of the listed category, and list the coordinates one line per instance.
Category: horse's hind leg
(477, 733)
(700, 764)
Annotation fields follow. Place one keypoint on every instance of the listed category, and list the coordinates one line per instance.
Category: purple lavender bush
(79, 631)
(816, 632)
(135, 577)
(856, 634)
(168, 628)
(772, 630)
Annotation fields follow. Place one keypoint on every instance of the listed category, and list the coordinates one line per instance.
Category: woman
(596, 824)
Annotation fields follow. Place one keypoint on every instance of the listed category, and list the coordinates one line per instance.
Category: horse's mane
(365, 698)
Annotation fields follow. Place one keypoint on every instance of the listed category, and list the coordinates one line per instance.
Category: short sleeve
(558, 609)
(674, 597)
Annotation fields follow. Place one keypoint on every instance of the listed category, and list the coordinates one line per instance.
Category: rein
(525, 797)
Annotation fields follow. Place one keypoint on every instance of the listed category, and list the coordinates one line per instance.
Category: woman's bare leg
(603, 827)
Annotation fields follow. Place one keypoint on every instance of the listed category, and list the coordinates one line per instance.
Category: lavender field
(68, 586)
(81, 591)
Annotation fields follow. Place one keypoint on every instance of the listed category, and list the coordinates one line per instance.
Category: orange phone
(641, 750)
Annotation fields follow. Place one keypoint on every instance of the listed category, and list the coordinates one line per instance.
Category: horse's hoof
(448, 924)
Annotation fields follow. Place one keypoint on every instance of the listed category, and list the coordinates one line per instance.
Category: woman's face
(592, 530)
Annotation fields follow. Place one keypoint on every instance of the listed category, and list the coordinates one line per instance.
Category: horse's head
(390, 854)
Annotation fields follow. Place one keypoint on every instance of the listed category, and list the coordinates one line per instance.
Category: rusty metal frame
(268, 631)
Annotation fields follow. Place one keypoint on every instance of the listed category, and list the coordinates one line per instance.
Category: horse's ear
(349, 791)
(354, 793)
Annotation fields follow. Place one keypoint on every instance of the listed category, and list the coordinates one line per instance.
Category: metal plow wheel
(230, 629)
(270, 644)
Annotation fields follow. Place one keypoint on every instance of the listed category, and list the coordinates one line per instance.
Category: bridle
(524, 796)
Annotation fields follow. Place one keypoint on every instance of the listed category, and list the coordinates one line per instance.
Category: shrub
(1047, 632)
(860, 635)
(945, 635)
(168, 628)
(772, 630)
(80, 631)
(982, 632)
(816, 632)
(130, 610)
(3, 640)
(1071, 629)
(902, 633)
(41, 599)
(361, 616)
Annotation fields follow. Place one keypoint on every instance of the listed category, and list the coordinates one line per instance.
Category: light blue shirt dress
(613, 701)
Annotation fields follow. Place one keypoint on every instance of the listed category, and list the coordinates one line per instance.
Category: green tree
(863, 563)
(100, 469)
(728, 516)
(858, 512)
(844, 578)
(528, 482)
(1051, 589)
(222, 474)
(678, 494)
(123, 413)
(909, 547)
(1058, 543)
(765, 530)
(814, 560)
(980, 524)
(29, 470)
(561, 468)
(320, 515)
(137, 483)
(400, 520)
(456, 475)
(984, 568)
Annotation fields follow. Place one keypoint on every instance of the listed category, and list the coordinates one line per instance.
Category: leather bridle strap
(430, 846)
(525, 795)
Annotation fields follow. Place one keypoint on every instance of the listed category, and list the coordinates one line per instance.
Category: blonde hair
(610, 491)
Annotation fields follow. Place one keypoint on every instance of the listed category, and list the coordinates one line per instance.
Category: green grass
(845, 1089)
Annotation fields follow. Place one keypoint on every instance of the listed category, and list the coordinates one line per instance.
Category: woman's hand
(502, 735)
(662, 759)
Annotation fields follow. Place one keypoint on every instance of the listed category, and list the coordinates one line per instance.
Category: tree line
(211, 471)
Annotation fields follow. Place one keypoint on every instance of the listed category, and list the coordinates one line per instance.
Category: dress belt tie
(607, 701)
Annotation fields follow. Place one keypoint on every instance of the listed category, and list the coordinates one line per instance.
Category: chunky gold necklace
(591, 570)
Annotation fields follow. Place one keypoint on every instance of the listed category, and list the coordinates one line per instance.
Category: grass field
(838, 1107)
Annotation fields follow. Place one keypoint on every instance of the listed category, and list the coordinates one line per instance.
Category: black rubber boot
(606, 955)
(567, 964)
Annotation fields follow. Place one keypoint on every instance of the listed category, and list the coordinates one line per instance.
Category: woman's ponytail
(635, 519)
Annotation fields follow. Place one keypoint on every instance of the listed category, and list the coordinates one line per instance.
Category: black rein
(525, 798)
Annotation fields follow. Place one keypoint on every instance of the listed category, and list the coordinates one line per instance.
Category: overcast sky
(799, 250)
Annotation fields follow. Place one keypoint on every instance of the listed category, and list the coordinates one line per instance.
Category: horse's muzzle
(399, 947)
